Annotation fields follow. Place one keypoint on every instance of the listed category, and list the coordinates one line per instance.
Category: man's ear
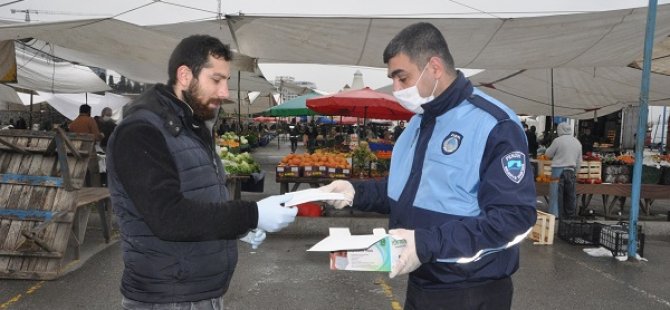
(436, 67)
(184, 76)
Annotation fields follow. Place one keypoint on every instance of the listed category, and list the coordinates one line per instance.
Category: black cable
(189, 7)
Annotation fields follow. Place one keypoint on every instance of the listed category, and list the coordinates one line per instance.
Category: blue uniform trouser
(562, 192)
(495, 294)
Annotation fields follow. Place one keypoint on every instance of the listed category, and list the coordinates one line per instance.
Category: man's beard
(200, 109)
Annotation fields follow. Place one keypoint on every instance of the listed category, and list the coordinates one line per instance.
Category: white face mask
(106, 118)
(410, 98)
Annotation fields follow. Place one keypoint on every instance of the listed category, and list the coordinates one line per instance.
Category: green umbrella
(294, 107)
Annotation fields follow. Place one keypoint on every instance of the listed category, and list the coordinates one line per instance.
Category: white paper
(341, 239)
(313, 194)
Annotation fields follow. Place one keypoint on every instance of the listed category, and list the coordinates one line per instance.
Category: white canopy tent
(38, 74)
(610, 38)
(136, 52)
(68, 104)
(591, 53)
(578, 93)
(35, 73)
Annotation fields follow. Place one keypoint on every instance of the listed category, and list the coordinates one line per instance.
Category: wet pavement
(282, 275)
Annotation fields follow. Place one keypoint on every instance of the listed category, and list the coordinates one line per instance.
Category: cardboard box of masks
(375, 252)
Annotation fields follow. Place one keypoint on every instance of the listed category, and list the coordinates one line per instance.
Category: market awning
(294, 107)
(365, 103)
(578, 93)
(139, 53)
(609, 38)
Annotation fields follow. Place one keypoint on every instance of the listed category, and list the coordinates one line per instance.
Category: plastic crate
(579, 232)
(380, 146)
(615, 238)
(252, 185)
(650, 175)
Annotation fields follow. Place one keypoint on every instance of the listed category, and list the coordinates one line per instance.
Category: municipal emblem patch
(451, 143)
(514, 165)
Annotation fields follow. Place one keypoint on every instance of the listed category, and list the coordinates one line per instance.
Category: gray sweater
(565, 151)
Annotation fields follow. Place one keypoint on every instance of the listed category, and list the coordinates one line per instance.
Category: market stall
(610, 176)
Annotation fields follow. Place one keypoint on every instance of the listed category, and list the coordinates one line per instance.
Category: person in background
(312, 133)
(178, 227)
(587, 140)
(460, 191)
(565, 153)
(531, 136)
(294, 134)
(84, 123)
(106, 125)
(21, 123)
(397, 131)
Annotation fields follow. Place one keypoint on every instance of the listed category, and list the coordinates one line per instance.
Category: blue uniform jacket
(460, 178)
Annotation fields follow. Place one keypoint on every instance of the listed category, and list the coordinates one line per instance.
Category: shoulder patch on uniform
(489, 107)
(451, 143)
(514, 165)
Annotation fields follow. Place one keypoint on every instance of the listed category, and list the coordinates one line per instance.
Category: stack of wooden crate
(590, 170)
(40, 173)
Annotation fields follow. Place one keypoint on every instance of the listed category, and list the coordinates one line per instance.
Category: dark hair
(85, 109)
(420, 42)
(193, 52)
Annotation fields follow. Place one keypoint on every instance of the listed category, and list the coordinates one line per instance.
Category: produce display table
(313, 182)
(86, 196)
(234, 184)
(618, 192)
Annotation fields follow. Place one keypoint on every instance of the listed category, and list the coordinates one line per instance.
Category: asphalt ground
(282, 275)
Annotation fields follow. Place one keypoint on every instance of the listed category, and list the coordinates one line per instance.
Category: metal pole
(553, 114)
(30, 117)
(663, 130)
(641, 129)
(239, 109)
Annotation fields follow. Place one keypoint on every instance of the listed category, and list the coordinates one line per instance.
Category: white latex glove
(408, 260)
(340, 186)
(272, 215)
(255, 238)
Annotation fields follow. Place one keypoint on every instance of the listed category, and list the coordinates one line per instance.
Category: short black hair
(193, 52)
(420, 42)
(85, 109)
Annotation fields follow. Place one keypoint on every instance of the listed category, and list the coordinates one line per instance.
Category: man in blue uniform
(460, 190)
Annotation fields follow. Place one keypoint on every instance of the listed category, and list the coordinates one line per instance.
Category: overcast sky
(327, 78)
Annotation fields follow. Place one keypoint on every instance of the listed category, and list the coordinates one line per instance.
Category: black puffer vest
(158, 271)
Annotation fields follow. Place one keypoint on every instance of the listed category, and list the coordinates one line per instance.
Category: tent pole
(30, 117)
(553, 113)
(239, 109)
(641, 129)
(663, 122)
(277, 130)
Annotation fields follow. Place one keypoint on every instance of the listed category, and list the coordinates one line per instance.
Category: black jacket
(168, 190)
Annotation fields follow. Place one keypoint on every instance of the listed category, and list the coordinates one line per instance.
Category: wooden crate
(315, 171)
(544, 167)
(543, 231)
(40, 173)
(590, 170)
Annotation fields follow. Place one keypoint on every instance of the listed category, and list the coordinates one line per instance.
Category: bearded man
(178, 228)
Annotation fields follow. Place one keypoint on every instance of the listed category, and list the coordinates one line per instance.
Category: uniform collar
(459, 90)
